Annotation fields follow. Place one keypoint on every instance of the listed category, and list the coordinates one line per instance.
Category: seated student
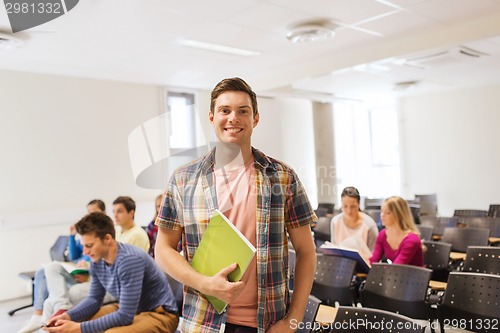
(400, 241)
(145, 300)
(353, 228)
(152, 228)
(126, 229)
(41, 290)
(66, 296)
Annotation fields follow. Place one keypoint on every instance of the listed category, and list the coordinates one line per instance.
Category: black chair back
(463, 214)
(428, 204)
(322, 231)
(470, 301)
(373, 321)
(437, 258)
(373, 203)
(177, 290)
(439, 223)
(461, 238)
(375, 215)
(397, 288)
(425, 231)
(333, 279)
(329, 207)
(486, 222)
(307, 324)
(291, 269)
(59, 251)
(494, 211)
(470, 213)
(321, 212)
(482, 259)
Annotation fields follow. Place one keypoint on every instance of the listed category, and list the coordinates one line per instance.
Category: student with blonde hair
(400, 241)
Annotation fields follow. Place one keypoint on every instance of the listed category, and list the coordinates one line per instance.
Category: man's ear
(211, 117)
(256, 120)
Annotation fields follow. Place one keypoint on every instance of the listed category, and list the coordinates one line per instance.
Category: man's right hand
(53, 320)
(219, 286)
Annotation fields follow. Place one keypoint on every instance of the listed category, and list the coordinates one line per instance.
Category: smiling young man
(264, 199)
(145, 300)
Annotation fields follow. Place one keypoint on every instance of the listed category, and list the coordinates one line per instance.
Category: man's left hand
(281, 326)
(64, 326)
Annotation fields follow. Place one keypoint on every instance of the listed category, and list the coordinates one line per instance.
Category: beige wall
(63, 143)
(450, 144)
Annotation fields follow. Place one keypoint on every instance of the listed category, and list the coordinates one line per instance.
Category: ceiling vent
(443, 58)
(311, 31)
(406, 85)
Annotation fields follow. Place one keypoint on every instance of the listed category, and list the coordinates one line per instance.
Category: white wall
(450, 147)
(286, 132)
(63, 143)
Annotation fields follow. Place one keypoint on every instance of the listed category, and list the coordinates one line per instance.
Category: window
(181, 118)
(367, 148)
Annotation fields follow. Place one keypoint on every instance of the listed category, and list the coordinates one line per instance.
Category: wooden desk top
(437, 285)
(494, 239)
(326, 314)
(457, 255)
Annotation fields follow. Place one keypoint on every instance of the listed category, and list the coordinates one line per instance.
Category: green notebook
(221, 245)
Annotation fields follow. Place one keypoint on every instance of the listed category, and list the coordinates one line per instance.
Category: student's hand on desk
(221, 288)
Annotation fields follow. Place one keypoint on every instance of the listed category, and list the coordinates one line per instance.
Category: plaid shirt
(282, 204)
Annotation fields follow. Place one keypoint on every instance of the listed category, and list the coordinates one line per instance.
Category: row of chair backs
(397, 288)
(333, 279)
(486, 222)
(470, 213)
(438, 223)
(461, 238)
(471, 301)
(368, 320)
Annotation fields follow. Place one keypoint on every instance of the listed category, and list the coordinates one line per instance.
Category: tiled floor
(12, 324)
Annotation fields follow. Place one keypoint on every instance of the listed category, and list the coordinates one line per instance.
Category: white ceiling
(139, 41)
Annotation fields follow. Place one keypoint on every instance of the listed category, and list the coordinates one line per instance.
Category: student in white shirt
(352, 228)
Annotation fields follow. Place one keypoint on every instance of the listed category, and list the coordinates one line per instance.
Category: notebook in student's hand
(362, 266)
(72, 268)
(222, 244)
